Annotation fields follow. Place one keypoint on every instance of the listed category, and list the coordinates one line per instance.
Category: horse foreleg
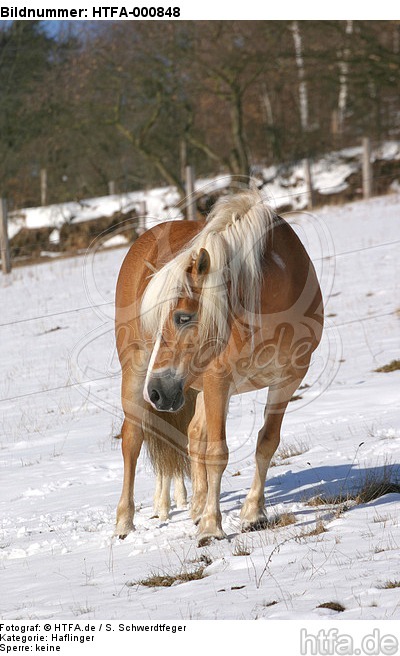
(216, 399)
(253, 515)
(197, 434)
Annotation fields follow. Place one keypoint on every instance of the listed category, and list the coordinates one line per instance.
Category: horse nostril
(154, 396)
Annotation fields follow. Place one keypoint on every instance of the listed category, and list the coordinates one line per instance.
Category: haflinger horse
(205, 310)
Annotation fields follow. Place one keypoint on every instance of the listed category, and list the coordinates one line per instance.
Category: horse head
(187, 334)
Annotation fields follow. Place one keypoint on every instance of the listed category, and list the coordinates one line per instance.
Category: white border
(226, 9)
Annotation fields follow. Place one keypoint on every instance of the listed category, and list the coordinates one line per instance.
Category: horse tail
(166, 437)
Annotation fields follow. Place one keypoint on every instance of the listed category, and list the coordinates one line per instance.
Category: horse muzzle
(165, 392)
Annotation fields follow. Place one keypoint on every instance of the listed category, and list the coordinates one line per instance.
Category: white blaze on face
(150, 367)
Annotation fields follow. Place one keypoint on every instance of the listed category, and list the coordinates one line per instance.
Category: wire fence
(150, 221)
(110, 376)
(108, 303)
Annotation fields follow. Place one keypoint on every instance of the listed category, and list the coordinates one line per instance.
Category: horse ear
(202, 264)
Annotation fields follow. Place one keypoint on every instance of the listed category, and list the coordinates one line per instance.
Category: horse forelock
(235, 237)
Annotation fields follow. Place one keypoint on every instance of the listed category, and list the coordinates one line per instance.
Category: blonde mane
(235, 237)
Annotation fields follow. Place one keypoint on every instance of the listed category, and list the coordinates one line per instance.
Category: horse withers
(205, 311)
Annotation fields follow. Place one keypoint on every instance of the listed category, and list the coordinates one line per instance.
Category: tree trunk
(303, 93)
(155, 159)
(343, 79)
(240, 158)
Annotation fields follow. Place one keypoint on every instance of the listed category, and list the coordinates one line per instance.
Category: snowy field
(61, 467)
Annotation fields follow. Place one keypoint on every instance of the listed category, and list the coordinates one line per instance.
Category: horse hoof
(258, 525)
(208, 538)
(163, 517)
(122, 532)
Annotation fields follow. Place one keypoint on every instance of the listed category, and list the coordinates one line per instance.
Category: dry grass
(389, 585)
(277, 521)
(394, 365)
(332, 605)
(275, 463)
(317, 530)
(166, 580)
(280, 521)
(380, 518)
(241, 549)
(321, 500)
(29, 243)
(292, 450)
(76, 236)
(374, 484)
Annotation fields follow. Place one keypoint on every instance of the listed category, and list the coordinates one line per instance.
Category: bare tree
(343, 78)
(303, 94)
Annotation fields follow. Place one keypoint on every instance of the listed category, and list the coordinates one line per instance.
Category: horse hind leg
(253, 515)
(162, 496)
(180, 493)
(132, 440)
(131, 444)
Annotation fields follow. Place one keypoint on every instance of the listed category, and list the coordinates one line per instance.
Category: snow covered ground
(159, 204)
(61, 468)
(284, 184)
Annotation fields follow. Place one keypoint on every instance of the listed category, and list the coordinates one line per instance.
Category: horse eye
(182, 319)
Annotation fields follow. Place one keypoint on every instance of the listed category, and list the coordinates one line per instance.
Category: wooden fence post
(4, 244)
(309, 184)
(43, 187)
(366, 168)
(190, 197)
(183, 159)
(142, 211)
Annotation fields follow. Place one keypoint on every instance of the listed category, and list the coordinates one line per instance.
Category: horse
(206, 310)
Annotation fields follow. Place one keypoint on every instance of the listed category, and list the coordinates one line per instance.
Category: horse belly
(254, 381)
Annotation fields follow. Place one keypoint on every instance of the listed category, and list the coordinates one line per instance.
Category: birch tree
(303, 93)
(343, 78)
